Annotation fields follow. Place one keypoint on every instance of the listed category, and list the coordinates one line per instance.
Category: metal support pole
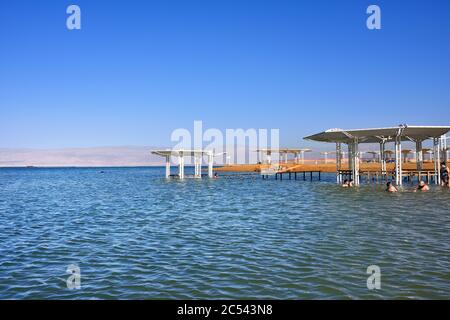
(338, 163)
(419, 155)
(181, 166)
(167, 166)
(210, 165)
(350, 157)
(398, 161)
(356, 162)
(437, 163)
(383, 156)
(198, 166)
(444, 148)
(195, 166)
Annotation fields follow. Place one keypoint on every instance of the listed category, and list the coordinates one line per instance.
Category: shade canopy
(404, 132)
(184, 152)
(284, 150)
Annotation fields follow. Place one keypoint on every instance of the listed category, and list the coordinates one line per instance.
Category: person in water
(350, 183)
(445, 181)
(422, 187)
(390, 187)
(345, 184)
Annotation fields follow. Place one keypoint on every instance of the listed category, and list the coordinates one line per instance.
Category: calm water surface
(135, 235)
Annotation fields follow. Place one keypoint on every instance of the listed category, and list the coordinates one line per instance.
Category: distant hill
(82, 157)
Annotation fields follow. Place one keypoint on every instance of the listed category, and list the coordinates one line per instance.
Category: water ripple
(137, 236)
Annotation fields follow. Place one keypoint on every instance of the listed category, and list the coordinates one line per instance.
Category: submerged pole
(419, 155)
(210, 165)
(444, 148)
(198, 166)
(167, 166)
(338, 163)
(181, 166)
(437, 164)
(356, 160)
(398, 161)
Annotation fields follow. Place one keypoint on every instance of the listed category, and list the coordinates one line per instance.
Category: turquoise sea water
(135, 235)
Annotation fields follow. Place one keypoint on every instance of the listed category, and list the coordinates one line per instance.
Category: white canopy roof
(284, 150)
(407, 133)
(184, 152)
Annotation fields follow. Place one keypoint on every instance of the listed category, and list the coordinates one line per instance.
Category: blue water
(135, 235)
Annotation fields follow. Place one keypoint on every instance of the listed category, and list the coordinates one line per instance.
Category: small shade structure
(181, 154)
(352, 138)
(299, 154)
(388, 154)
(374, 155)
(429, 152)
(325, 155)
(405, 153)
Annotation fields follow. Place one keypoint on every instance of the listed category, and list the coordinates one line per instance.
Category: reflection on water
(135, 235)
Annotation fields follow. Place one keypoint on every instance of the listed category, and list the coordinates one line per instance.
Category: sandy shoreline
(328, 167)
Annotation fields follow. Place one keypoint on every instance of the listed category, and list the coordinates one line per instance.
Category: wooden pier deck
(378, 176)
(294, 175)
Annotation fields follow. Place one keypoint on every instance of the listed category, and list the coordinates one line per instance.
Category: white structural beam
(383, 155)
(444, 149)
(356, 162)
(350, 157)
(353, 160)
(285, 157)
(197, 166)
(419, 155)
(269, 157)
(437, 158)
(210, 165)
(181, 165)
(167, 166)
(338, 162)
(398, 161)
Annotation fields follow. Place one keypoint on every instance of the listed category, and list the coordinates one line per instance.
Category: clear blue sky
(139, 69)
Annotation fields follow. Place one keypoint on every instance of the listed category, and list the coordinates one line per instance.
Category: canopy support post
(383, 156)
(356, 164)
(419, 155)
(269, 157)
(349, 156)
(197, 166)
(444, 148)
(210, 165)
(437, 158)
(353, 160)
(398, 161)
(181, 166)
(338, 163)
(167, 166)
